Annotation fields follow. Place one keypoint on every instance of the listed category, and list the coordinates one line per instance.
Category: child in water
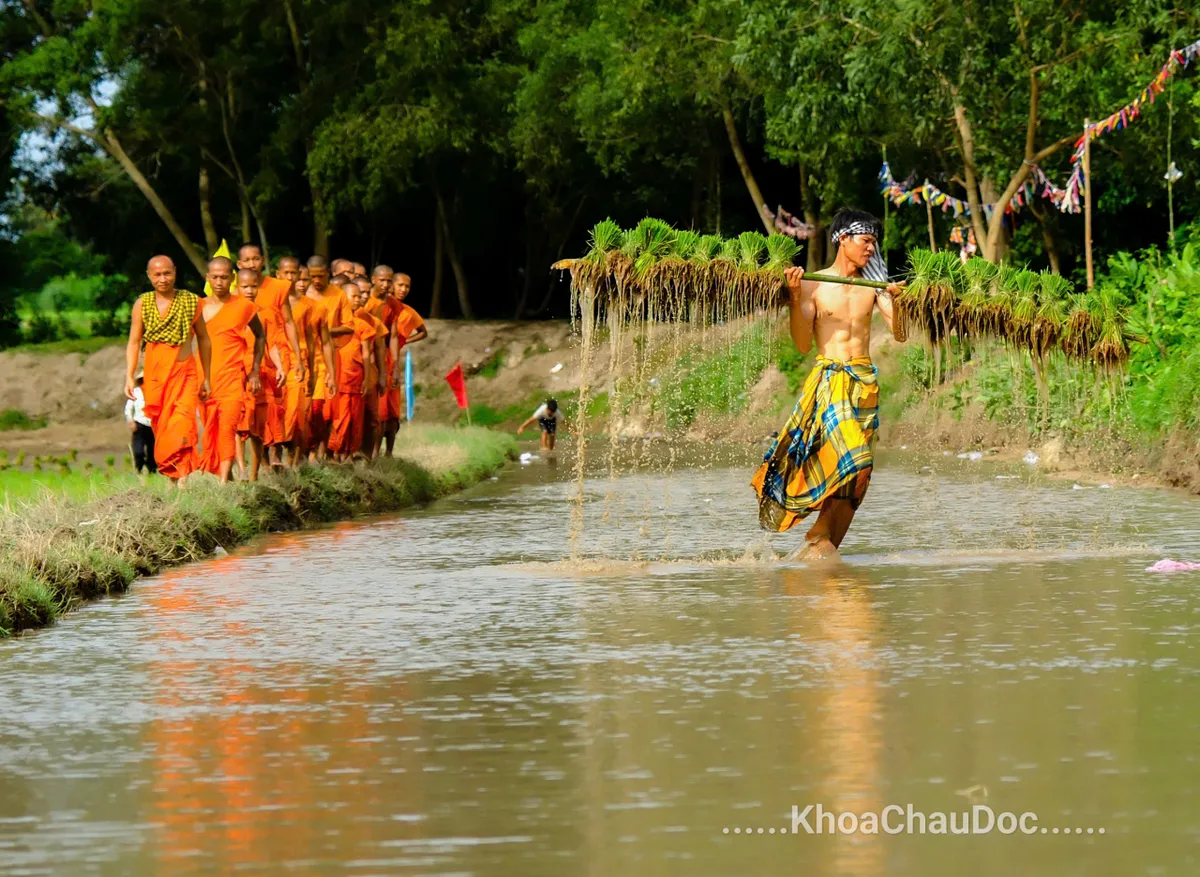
(548, 417)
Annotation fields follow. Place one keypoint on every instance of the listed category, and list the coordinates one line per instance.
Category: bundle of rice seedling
(1082, 330)
(945, 284)
(654, 239)
(1051, 316)
(1112, 348)
(1024, 307)
(980, 277)
(915, 308)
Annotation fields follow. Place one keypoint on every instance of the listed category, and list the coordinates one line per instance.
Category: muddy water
(441, 693)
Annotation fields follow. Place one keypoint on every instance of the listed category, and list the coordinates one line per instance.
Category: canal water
(447, 692)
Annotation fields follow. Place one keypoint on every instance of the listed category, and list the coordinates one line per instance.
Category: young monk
(324, 384)
(167, 319)
(407, 328)
(296, 393)
(386, 307)
(236, 364)
(341, 266)
(257, 412)
(376, 380)
(345, 434)
(357, 270)
(822, 460)
(275, 311)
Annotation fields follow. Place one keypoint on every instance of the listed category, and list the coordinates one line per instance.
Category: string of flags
(1066, 198)
(1120, 120)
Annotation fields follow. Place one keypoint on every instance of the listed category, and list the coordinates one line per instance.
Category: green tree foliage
(474, 143)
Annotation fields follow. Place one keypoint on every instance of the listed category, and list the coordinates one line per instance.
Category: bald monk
(288, 270)
(298, 396)
(407, 328)
(376, 380)
(359, 270)
(167, 319)
(260, 418)
(275, 311)
(341, 266)
(228, 319)
(324, 383)
(345, 433)
(386, 307)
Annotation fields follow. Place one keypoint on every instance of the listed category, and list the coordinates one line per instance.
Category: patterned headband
(856, 228)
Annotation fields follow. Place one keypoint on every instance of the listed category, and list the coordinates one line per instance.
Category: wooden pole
(1087, 201)
(929, 214)
(1170, 167)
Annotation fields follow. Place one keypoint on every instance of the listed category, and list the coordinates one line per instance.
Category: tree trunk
(211, 241)
(246, 233)
(113, 146)
(735, 144)
(1047, 238)
(967, 141)
(439, 261)
(320, 229)
(812, 216)
(460, 274)
(527, 285)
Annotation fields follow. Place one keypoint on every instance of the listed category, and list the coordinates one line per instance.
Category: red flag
(458, 384)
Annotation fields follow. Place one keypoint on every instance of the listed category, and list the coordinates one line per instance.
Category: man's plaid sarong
(824, 450)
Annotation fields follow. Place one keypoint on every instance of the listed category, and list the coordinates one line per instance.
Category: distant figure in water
(548, 417)
(822, 459)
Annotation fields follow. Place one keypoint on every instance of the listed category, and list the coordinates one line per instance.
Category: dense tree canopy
(473, 143)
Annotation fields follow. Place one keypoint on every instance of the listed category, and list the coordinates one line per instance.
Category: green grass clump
(492, 367)
(56, 552)
(15, 418)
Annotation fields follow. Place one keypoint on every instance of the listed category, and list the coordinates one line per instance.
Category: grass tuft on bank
(56, 553)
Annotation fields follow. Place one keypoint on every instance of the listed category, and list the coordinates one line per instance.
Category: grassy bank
(56, 553)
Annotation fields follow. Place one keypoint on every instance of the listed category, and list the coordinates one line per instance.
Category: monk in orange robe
(296, 392)
(324, 383)
(406, 327)
(275, 311)
(376, 380)
(228, 318)
(256, 423)
(386, 307)
(345, 433)
(167, 319)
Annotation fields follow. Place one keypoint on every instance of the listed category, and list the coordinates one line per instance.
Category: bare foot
(818, 550)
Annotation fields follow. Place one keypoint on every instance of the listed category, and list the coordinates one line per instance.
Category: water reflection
(441, 693)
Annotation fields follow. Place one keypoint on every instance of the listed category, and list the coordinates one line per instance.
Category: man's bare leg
(389, 435)
(256, 456)
(826, 534)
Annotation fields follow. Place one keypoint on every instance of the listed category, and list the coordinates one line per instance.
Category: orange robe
(346, 427)
(172, 392)
(387, 310)
(372, 398)
(406, 322)
(272, 293)
(226, 400)
(320, 407)
(296, 398)
(171, 385)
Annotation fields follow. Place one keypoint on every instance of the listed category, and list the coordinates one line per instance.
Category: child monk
(256, 424)
(324, 383)
(227, 318)
(345, 433)
(407, 327)
(274, 309)
(296, 392)
(376, 386)
(167, 319)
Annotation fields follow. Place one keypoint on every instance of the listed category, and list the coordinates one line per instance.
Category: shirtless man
(822, 459)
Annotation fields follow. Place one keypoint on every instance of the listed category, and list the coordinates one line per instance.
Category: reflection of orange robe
(225, 404)
(345, 432)
(296, 401)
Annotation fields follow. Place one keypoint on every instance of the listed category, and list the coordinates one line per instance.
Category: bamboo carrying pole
(1087, 200)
